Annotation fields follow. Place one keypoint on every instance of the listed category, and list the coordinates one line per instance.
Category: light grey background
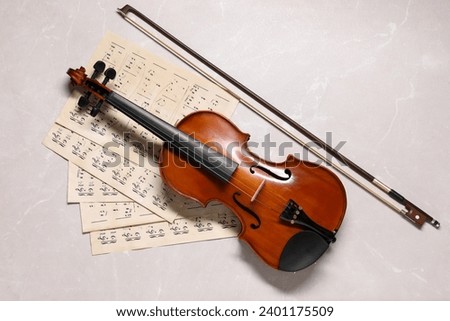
(374, 73)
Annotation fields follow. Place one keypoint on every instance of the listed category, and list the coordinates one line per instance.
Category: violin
(289, 211)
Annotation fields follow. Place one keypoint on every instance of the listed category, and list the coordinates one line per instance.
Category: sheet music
(107, 215)
(163, 89)
(84, 187)
(219, 224)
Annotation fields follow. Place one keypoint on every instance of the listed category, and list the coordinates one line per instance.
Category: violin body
(261, 192)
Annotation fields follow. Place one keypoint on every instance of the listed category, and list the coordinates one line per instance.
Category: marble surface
(375, 74)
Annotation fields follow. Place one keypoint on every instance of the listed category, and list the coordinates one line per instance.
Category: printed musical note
(83, 187)
(106, 215)
(183, 230)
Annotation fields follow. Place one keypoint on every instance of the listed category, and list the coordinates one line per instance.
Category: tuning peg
(110, 74)
(99, 67)
(96, 109)
(84, 100)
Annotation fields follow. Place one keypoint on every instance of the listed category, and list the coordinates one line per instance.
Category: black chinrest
(302, 250)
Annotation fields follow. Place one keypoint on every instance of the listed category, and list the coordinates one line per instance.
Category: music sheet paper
(84, 187)
(214, 222)
(114, 171)
(107, 215)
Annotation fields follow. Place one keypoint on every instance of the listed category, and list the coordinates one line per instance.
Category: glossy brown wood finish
(317, 190)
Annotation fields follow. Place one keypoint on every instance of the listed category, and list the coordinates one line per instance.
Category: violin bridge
(258, 190)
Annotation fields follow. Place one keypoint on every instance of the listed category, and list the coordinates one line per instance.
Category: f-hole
(269, 172)
(248, 210)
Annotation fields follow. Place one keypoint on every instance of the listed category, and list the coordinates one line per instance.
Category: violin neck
(193, 151)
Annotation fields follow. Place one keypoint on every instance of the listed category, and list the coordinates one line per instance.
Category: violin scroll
(92, 86)
(77, 76)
